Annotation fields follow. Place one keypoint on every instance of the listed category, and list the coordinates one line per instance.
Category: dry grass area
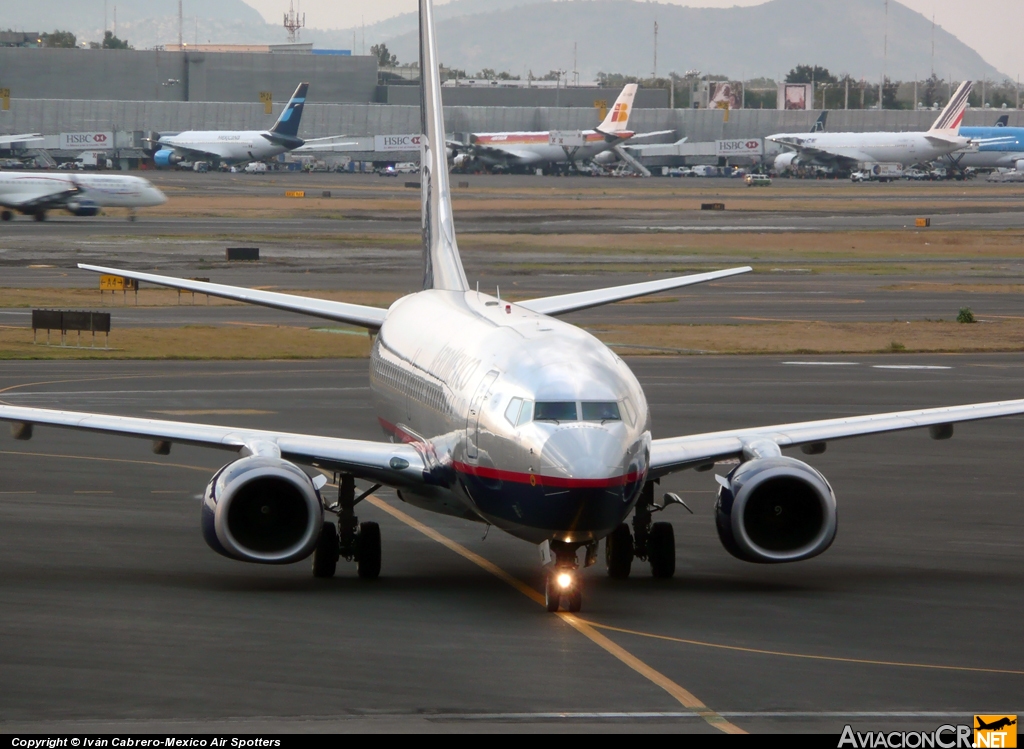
(270, 342)
(958, 288)
(192, 342)
(818, 337)
(550, 200)
(859, 245)
(150, 297)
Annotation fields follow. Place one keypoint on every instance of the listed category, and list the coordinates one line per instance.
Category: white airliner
(235, 146)
(850, 150)
(499, 412)
(35, 193)
(529, 150)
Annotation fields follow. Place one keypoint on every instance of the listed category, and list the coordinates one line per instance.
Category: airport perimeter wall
(53, 116)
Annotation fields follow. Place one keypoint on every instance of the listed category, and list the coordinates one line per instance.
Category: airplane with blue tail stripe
(235, 146)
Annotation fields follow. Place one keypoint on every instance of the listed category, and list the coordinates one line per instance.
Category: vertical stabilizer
(819, 124)
(288, 123)
(950, 118)
(617, 120)
(442, 267)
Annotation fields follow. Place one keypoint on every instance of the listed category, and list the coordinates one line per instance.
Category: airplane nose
(156, 196)
(583, 452)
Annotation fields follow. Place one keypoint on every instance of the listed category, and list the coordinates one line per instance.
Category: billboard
(396, 142)
(795, 96)
(739, 147)
(84, 141)
(722, 95)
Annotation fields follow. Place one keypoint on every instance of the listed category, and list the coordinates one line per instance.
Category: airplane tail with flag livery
(948, 122)
(616, 122)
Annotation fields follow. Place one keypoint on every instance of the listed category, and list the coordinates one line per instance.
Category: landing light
(564, 580)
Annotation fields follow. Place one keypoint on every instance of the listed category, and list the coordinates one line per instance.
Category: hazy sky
(992, 27)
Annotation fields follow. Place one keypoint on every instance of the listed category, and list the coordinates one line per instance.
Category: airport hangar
(130, 93)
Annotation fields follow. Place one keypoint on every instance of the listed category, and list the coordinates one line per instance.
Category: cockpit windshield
(554, 411)
(600, 411)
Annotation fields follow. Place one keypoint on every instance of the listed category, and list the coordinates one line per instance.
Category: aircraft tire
(618, 552)
(552, 595)
(39, 215)
(325, 555)
(661, 550)
(574, 601)
(368, 548)
(6, 215)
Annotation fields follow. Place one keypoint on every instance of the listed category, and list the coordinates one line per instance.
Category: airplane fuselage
(478, 388)
(18, 189)
(1004, 147)
(228, 146)
(904, 148)
(536, 149)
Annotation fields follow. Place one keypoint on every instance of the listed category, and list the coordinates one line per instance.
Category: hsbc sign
(396, 142)
(85, 141)
(739, 147)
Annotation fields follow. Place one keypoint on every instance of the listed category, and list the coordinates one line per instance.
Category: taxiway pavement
(117, 616)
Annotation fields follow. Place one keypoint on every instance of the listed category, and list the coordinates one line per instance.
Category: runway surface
(116, 615)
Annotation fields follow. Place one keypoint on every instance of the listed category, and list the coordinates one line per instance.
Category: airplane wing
(30, 201)
(822, 155)
(499, 153)
(354, 314)
(563, 303)
(703, 450)
(392, 464)
(653, 134)
(6, 141)
(192, 154)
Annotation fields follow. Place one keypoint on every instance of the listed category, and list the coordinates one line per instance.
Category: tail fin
(819, 124)
(617, 119)
(442, 267)
(288, 122)
(1003, 121)
(950, 118)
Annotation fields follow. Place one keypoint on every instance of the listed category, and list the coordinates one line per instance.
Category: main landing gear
(651, 542)
(355, 541)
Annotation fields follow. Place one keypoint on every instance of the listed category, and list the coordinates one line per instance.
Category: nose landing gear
(562, 581)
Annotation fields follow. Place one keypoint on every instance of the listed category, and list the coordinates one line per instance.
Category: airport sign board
(396, 142)
(739, 147)
(85, 141)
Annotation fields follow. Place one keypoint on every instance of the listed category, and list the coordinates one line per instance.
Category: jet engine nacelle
(1019, 166)
(82, 208)
(606, 158)
(786, 161)
(775, 510)
(166, 157)
(262, 509)
(462, 160)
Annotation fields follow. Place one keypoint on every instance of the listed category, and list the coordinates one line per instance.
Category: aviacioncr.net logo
(943, 737)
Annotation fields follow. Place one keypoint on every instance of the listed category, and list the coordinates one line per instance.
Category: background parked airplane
(991, 147)
(35, 193)
(848, 150)
(235, 146)
(529, 150)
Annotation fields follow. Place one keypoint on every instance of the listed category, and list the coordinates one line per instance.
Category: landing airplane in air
(500, 412)
(235, 146)
(36, 193)
(529, 150)
(848, 150)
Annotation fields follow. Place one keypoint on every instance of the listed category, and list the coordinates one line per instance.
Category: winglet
(616, 122)
(948, 122)
(442, 266)
(288, 123)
